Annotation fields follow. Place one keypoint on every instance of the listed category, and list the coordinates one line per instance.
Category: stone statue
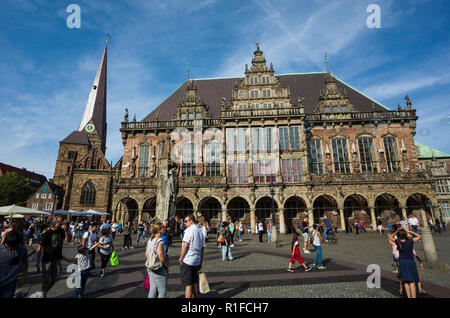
(408, 102)
(125, 117)
(171, 193)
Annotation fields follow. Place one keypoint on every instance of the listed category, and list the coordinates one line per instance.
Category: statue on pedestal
(171, 193)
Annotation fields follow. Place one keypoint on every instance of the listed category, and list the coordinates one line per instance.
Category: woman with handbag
(157, 265)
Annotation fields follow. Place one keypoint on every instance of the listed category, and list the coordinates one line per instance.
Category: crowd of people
(98, 239)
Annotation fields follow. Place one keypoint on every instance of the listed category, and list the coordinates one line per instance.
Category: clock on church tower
(89, 128)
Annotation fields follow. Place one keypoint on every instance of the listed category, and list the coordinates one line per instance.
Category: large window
(292, 170)
(390, 148)
(315, 162)
(264, 171)
(340, 156)
(236, 140)
(213, 154)
(289, 138)
(445, 208)
(88, 194)
(143, 161)
(238, 171)
(188, 166)
(443, 186)
(262, 139)
(367, 155)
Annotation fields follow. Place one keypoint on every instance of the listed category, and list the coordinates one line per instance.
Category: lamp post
(274, 220)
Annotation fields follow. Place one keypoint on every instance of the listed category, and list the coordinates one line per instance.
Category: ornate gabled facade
(326, 148)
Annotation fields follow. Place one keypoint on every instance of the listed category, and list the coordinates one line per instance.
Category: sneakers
(102, 274)
(308, 269)
(422, 292)
(321, 267)
(306, 251)
(395, 271)
(232, 245)
(290, 270)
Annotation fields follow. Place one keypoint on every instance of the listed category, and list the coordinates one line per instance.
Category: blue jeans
(325, 236)
(318, 258)
(269, 236)
(240, 235)
(83, 278)
(140, 234)
(415, 229)
(8, 291)
(226, 249)
(158, 283)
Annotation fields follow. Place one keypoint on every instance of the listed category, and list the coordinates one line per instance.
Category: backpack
(114, 260)
(153, 262)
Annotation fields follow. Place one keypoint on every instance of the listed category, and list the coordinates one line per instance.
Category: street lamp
(274, 220)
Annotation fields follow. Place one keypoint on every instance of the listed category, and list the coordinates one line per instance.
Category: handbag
(221, 239)
(147, 283)
(114, 260)
(153, 262)
(203, 284)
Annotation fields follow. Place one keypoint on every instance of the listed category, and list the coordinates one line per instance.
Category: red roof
(308, 86)
(4, 168)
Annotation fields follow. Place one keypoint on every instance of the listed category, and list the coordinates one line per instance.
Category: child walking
(83, 261)
(295, 254)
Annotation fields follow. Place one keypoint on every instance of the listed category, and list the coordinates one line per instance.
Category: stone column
(342, 217)
(373, 218)
(404, 214)
(281, 225)
(311, 218)
(139, 216)
(224, 214)
(428, 242)
(253, 219)
(432, 213)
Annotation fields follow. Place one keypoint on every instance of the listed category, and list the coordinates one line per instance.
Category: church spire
(93, 121)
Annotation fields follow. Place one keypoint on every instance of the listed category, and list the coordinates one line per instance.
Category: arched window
(88, 194)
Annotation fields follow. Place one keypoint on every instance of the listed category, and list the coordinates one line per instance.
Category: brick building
(36, 180)
(437, 164)
(49, 197)
(81, 167)
(326, 149)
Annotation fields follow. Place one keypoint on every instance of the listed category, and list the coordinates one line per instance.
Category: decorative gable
(332, 99)
(260, 89)
(94, 160)
(192, 107)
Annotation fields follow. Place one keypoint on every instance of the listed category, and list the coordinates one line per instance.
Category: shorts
(305, 236)
(51, 271)
(189, 274)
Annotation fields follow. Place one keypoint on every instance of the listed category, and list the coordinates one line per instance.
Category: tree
(14, 189)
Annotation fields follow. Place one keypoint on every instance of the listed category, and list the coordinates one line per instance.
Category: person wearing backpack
(225, 242)
(157, 265)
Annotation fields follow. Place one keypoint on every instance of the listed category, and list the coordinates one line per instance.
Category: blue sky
(47, 69)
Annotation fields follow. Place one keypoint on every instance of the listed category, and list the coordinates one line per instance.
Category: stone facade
(393, 187)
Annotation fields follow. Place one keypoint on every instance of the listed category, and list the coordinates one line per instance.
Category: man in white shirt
(89, 239)
(414, 224)
(404, 224)
(191, 257)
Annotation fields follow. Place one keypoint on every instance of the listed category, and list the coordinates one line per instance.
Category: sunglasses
(187, 220)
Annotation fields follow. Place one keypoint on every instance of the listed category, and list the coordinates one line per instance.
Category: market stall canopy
(93, 212)
(18, 216)
(69, 212)
(14, 209)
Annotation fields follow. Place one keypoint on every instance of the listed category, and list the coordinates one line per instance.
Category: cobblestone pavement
(259, 270)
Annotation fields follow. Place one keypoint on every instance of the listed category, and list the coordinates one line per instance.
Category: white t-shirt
(404, 224)
(107, 241)
(72, 228)
(241, 227)
(114, 227)
(413, 221)
(260, 227)
(91, 240)
(194, 237)
(316, 240)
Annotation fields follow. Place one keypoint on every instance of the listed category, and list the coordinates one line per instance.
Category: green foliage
(14, 189)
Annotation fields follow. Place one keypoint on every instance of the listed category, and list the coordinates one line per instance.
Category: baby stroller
(331, 236)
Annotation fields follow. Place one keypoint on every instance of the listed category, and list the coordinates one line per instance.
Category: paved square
(259, 270)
